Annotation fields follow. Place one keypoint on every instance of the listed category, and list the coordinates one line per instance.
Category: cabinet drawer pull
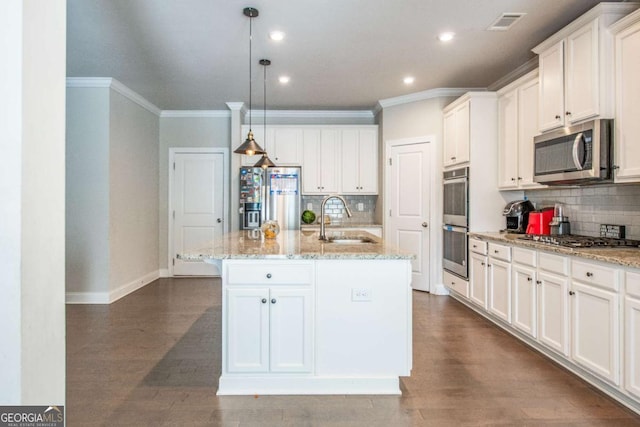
(269, 276)
(571, 293)
(273, 300)
(589, 274)
(264, 300)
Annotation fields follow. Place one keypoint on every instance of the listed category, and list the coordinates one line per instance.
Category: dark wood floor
(153, 358)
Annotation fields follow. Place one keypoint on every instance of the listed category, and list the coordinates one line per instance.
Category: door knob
(219, 220)
(425, 224)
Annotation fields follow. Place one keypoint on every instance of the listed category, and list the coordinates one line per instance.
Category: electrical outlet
(309, 206)
(360, 206)
(360, 294)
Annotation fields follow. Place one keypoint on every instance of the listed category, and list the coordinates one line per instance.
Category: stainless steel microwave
(580, 154)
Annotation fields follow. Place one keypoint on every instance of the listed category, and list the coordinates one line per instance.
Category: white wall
(32, 187)
(183, 132)
(133, 195)
(416, 119)
(87, 213)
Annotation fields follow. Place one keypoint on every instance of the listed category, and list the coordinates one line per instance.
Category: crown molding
(514, 75)
(115, 85)
(311, 114)
(225, 114)
(421, 96)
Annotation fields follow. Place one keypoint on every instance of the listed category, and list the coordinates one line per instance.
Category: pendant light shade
(265, 161)
(250, 146)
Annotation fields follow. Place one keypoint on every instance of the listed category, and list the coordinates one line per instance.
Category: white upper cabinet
(359, 171)
(456, 134)
(285, 149)
(576, 77)
(517, 125)
(627, 125)
(321, 155)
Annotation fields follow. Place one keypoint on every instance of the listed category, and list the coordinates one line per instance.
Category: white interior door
(409, 195)
(197, 208)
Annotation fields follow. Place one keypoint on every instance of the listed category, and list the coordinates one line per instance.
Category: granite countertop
(628, 257)
(295, 244)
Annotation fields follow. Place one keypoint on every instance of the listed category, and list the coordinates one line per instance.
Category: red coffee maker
(539, 221)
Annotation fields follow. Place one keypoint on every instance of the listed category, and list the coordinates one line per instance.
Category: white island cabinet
(303, 316)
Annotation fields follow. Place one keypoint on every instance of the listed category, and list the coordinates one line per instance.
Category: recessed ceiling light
(408, 80)
(284, 79)
(446, 37)
(276, 35)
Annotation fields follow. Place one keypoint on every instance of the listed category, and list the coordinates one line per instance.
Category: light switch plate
(309, 206)
(360, 207)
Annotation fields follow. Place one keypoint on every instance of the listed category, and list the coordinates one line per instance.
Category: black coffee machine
(517, 215)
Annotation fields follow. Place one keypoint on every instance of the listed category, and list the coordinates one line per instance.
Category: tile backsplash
(335, 209)
(588, 207)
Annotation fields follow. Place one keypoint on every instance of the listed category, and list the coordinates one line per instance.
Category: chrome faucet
(323, 235)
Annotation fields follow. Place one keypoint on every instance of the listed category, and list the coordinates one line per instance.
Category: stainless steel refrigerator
(283, 196)
(271, 194)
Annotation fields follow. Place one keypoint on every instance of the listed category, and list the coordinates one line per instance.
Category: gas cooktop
(575, 241)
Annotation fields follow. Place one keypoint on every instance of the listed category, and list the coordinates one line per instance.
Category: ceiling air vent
(505, 21)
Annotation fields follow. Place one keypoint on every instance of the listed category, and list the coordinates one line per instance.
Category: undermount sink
(350, 240)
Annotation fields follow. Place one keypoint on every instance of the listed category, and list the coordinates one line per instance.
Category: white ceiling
(341, 54)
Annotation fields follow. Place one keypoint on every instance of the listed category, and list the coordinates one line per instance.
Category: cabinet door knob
(568, 113)
(482, 263)
(264, 300)
(273, 300)
(529, 279)
(558, 117)
(425, 225)
(519, 178)
(513, 179)
(589, 274)
(495, 251)
(538, 282)
(571, 293)
(269, 276)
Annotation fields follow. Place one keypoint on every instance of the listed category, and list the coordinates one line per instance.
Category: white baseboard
(116, 294)
(164, 272)
(87, 298)
(440, 289)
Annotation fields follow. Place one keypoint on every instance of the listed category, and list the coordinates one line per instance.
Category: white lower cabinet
(270, 329)
(499, 274)
(478, 279)
(525, 299)
(595, 331)
(499, 281)
(595, 308)
(553, 311)
(632, 335)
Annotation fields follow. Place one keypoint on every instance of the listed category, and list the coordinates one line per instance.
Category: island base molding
(254, 385)
(569, 366)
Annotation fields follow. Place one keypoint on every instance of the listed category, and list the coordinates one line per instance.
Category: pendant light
(265, 161)
(250, 146)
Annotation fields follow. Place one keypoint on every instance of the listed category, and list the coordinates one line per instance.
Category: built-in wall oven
(456, 221)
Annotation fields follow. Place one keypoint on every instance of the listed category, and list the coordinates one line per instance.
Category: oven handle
(576, 142)
(455, 180)
(455, 228)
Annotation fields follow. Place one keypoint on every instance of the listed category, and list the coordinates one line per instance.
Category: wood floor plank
(153, 358)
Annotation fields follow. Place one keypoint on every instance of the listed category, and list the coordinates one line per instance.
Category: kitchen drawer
(553, 263)
(500, 251)
(525, 256)
(595, 274)
(270, 273)
(456, 284)
(477, 246)
(633, 283)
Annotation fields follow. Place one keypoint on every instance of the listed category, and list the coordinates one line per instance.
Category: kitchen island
(304, 316)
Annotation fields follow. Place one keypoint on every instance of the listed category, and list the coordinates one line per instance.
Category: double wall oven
(456, 221)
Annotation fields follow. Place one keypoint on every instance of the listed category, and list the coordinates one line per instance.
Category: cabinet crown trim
(625, 22)
(601, 9)
(467, 96)
(530, 76)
